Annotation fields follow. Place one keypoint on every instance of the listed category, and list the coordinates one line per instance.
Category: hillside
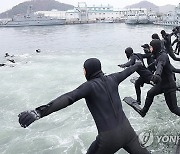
(166, 8)
(37, 5)
(144, 4)
(151, 6)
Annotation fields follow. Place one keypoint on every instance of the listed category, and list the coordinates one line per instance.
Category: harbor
(83, 14)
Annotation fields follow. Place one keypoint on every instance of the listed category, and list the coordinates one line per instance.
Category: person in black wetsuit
(6, 55)
(176, 32)
(163, 80)
(156, 36)
(145, 74)
(102, 98)
(149, 56)
(2, 65)
(151, 61)
(168, 45)
(163, 48)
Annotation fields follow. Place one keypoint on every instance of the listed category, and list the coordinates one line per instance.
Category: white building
(72, 15)
(100, 12)
(92, 13)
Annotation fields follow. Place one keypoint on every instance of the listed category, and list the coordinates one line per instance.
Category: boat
(152, 17)
(31, 19)
(137, 17)
(108, 20)
(132, 18)
(142, 18)
(170, 19)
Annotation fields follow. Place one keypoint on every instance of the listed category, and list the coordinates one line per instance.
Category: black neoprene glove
(28, 117)
(122, 65)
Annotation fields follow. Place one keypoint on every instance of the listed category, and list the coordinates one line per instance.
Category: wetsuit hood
(155, 36)
(129, 52)
(156, 44)
(93, 68)
(163, 33)
(145, 46)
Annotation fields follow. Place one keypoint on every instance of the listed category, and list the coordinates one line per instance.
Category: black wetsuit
(177, 40)
(103, 100)
(150, 61)
(145, 74)
(168, 46)
(167, 84)
(174, 70)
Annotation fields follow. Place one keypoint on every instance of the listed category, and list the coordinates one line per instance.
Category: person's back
(104, 96)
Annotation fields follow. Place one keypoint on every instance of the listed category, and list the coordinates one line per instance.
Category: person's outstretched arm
(146, 55)
(28, 117)
(129, 63)
(121, 76)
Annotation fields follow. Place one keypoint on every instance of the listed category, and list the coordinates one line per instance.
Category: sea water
(37, 78)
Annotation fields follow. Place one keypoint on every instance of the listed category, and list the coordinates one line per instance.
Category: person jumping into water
(176, 32)
(163, 79)
(145, 74)
(102, 98)
(168, 45)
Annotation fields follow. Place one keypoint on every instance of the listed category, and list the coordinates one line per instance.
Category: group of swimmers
(10, 59)
(102, 97)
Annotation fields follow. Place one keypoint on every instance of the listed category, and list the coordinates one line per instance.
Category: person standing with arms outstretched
(145, 74)
(103, 100)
